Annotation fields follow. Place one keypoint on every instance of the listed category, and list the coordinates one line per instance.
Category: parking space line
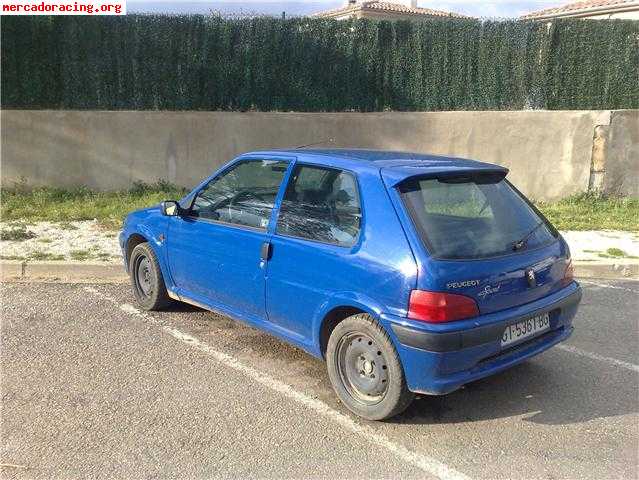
(594, 356)
(605, 285)
(425, 463)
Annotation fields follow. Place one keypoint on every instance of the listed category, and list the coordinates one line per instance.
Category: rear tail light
(569, 274)
(438, 307)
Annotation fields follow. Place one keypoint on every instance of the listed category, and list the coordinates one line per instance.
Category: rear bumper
(438, 359)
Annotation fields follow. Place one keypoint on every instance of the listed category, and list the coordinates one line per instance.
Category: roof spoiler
(475, 175)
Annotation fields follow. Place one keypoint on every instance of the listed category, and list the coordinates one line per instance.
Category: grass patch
(81, 254)
(579, 212)
(589, 211)
(16, 234)
(11, 257)
(66, 226)
(616, 252)
(67, 205)
(45, 256)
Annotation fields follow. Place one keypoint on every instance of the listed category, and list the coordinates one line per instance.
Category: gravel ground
(594, 245)
(88, 241)
(85, 240)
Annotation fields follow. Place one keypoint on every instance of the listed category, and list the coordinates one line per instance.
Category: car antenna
(328, 140)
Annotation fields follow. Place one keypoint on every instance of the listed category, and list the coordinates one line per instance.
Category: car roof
(394, 165)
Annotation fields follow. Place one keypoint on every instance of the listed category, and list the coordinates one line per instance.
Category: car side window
(244, 195)
(321, 204)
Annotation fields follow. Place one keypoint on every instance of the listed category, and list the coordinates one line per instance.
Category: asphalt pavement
(92, 387)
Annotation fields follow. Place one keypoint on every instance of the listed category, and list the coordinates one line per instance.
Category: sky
(477, 8)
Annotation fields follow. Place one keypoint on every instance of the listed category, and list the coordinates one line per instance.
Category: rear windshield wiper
(519, 244)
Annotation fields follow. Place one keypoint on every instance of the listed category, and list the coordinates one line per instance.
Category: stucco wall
(548, 153)
(622, 154)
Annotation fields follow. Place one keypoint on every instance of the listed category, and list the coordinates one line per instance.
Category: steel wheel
(362, 367)
(144, 276)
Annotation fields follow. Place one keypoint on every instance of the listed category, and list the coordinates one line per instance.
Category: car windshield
(473, 217)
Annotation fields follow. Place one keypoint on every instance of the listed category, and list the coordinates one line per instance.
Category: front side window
(467, 218)
(244, 195)
(321, 204)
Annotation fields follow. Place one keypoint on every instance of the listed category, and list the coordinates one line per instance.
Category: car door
(316, 235)
(214, 249)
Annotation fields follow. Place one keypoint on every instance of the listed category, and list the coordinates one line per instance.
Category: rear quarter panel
(306, 279)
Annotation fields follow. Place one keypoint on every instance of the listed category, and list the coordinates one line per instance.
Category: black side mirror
(170, 208)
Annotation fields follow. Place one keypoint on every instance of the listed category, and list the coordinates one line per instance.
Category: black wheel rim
(144, 276)
(362, 367)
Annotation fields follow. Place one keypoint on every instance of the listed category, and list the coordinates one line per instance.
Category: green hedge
(209, 63)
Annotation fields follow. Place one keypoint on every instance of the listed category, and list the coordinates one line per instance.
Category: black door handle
(265, 251)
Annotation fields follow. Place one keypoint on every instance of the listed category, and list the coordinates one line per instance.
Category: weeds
(615, 253)
(81, 254)
(590, 211)
(44, 256)
(11, 257)
(580, 212)
(67, 205)
(16, 234)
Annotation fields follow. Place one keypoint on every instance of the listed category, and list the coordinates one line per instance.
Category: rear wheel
(365, 370)
(146, 279)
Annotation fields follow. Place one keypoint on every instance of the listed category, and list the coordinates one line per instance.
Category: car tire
(146, 279)
(365, 370)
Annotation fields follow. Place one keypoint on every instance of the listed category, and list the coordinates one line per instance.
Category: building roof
(386, 7)
(583, 7)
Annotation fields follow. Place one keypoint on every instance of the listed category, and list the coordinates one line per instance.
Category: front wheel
(146, 279)
(365, 370)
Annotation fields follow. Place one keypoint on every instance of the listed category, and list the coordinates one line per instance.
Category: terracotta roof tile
(573, 7)
(387, 7)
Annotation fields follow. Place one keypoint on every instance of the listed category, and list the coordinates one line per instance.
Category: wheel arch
(331, 320)
(133, 241)
(339, 308)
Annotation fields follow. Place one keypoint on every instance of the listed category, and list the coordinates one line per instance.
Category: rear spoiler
(476, 175)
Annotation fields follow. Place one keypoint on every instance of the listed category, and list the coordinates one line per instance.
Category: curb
(114, 272)
(62, 271)
(612, 271)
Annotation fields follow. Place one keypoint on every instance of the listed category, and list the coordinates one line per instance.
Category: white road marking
(425, 463)
(594, 356)
(605, 285)
(126, 308)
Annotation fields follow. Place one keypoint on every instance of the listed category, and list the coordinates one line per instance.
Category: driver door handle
(266, 251)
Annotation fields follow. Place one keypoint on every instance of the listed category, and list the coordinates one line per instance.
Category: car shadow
(180, 307)
(541, 390)
(555, 388)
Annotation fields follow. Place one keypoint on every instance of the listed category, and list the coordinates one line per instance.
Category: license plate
(525, 329)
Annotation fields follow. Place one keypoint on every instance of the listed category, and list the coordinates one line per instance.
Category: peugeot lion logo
(530, 276)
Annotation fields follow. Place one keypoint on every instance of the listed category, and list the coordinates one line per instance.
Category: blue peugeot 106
(407, 273)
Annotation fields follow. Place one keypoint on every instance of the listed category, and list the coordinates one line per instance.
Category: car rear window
(473, 216)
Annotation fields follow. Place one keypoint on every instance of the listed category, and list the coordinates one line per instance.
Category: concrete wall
(549, 153)
(622, 154)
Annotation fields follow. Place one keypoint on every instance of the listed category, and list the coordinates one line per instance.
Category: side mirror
(170, 208)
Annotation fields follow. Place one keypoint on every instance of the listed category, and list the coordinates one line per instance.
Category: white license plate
(525, 329)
